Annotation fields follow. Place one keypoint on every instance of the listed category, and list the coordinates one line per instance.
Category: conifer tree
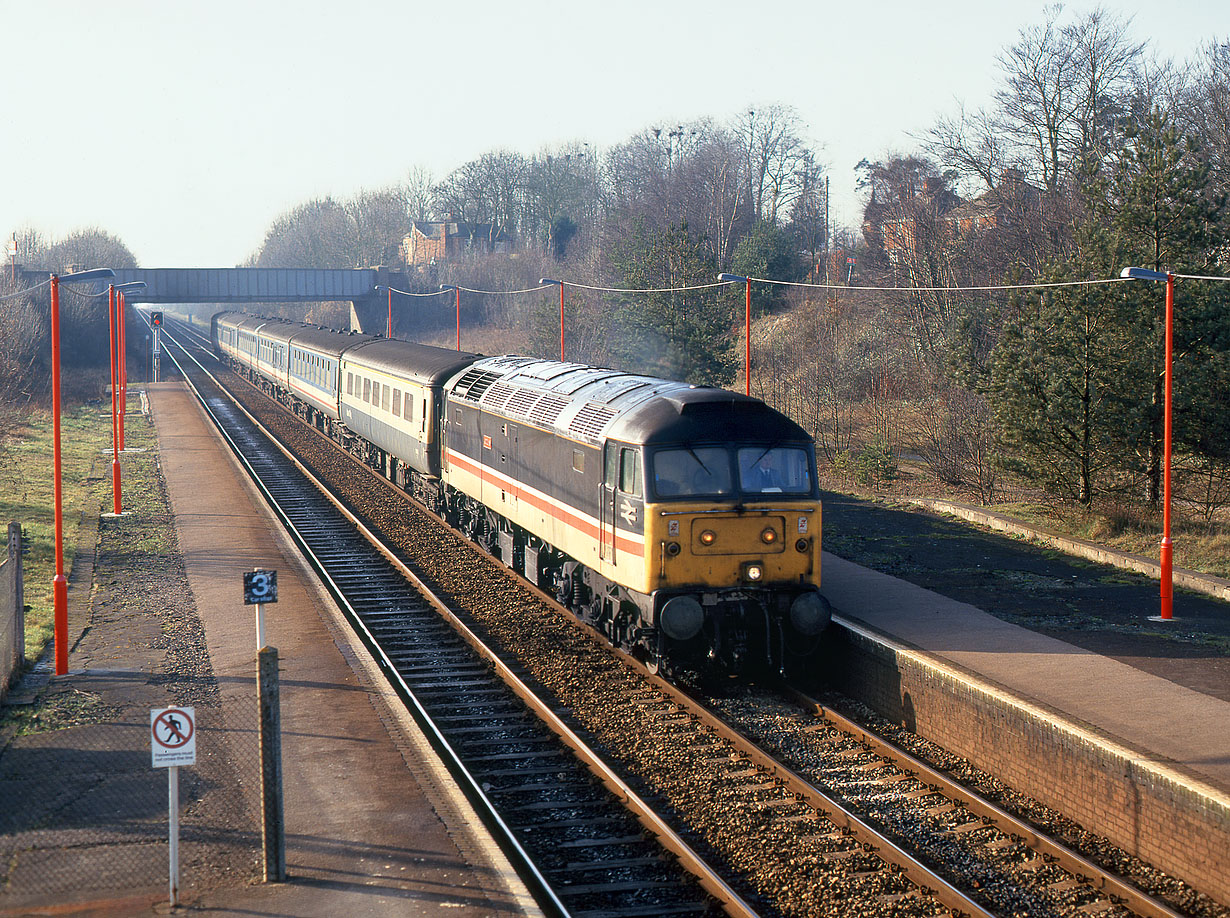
(1077, 379)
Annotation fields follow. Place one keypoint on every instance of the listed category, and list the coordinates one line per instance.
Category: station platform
(1127, 753)
(374, 825)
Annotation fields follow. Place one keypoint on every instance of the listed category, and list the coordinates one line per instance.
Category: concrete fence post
(273, 832)
(12, 609)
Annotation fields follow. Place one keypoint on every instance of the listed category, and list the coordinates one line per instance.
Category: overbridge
(243, 286)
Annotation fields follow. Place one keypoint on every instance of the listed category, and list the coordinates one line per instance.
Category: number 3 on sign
(260, 587)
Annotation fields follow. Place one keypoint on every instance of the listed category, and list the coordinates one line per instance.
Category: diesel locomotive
(682, 521)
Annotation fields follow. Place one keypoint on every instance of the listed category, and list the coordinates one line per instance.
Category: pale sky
(185, 129)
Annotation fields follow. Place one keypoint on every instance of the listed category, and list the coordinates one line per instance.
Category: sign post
(172, 744)
(262, 587)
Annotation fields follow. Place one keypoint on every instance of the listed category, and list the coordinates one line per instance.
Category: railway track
(571, 829)
(785, 845)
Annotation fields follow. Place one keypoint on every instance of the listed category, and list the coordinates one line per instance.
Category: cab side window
(630, 472)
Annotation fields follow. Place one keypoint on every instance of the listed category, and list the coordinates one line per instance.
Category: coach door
(610, 482)
(621, 494)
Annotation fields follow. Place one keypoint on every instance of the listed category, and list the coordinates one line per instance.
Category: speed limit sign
(260, 587)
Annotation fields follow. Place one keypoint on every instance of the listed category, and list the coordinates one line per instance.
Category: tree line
(1094, 154)
(25, 358)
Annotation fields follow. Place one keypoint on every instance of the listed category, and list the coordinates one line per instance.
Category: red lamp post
(747, 323)
(389, 334)
(458, 292)
(1167, 558)
(59, 585)
(122, 367)
(547, 280)
(112, 334)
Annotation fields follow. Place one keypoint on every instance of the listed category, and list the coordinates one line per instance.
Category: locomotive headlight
(753, 572)
(672, 549)
(769, 536)
(708, 537)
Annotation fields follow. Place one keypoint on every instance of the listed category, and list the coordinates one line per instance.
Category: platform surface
(374, 824)
(1182, 729)
(364, 834)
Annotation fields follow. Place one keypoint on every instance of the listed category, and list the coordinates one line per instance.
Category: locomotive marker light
(545, 281)
(59, 584)
(113, 335)
(747, 323)
(1167, 559)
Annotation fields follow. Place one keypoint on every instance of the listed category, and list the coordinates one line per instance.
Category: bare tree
(487, 190)
(774, 149)
(971, 145)
(809, 215)
(380, 221)
(417, 190)
(1106, 61)
(1210, 108)
(1063, 88)
(317, 234)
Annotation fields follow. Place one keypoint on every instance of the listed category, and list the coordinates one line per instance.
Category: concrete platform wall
(1174, 823)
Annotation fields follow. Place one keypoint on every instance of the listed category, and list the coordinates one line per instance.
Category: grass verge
(27, 493)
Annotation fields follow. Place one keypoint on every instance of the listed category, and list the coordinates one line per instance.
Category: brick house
(429, 243)
(1012, 205)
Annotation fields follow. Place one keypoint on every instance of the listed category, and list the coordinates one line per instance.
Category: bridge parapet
(256, 285)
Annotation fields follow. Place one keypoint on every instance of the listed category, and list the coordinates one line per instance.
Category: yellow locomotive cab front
(708, 546)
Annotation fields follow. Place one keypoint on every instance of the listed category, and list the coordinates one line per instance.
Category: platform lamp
(747, 322)
(1167, 578)
(59, 585)
(114, 290)
(121, 327)
(547, 280)
(456, 289)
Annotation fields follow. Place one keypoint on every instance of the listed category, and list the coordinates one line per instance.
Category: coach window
(385, 396)
(578, 461)
(397, 403)
(349, 383)
(367, 390)
(630, 472)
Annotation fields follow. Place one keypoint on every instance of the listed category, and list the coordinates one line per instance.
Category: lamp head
(732, 278)
(1144, 274)
(92, 274)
